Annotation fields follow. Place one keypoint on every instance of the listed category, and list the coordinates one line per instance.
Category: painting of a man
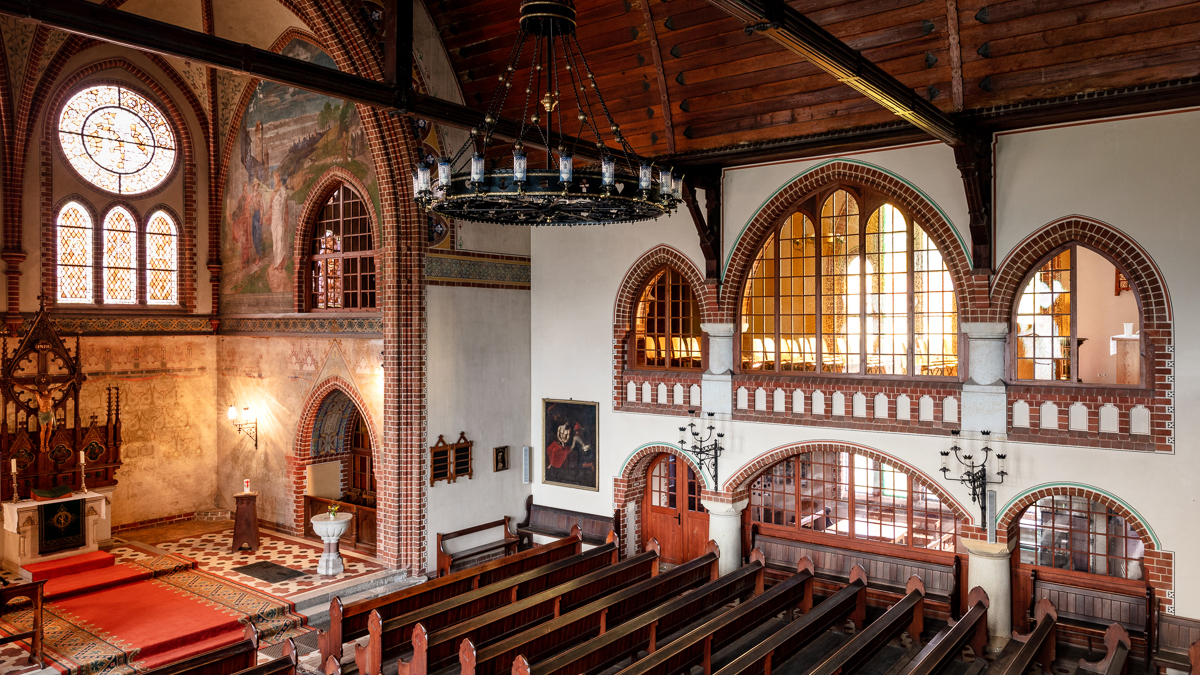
(279, 247)
(570, 436)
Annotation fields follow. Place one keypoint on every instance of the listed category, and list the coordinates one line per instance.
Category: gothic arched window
(342, 255)
(1075, 533)
(831, 293)
(666, 331)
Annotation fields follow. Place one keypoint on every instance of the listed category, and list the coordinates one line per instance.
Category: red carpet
(75, 564)
(146, 612)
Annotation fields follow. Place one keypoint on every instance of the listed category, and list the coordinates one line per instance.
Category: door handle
(677, 520)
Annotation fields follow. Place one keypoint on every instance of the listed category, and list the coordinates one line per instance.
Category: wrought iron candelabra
(975, 475)
(707, 449)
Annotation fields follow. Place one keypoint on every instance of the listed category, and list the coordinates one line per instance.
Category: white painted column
(716, 384)
(725, 528)
(988, 566)
(984, 405)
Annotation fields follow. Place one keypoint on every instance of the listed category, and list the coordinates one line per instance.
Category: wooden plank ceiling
(725, 88)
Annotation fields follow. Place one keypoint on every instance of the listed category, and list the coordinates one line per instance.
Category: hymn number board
(450, 461)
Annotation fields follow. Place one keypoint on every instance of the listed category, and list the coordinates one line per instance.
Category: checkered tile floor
(212, 554)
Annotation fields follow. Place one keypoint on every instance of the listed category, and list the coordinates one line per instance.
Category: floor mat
(269, 572)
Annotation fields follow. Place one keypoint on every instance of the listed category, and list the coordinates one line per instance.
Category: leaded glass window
(117, 140)
(1075, 533)
(342, 255)
(120, 257)
(74, 254)
(667, 328)
(162, 260)
(842, 494)
(831, 294)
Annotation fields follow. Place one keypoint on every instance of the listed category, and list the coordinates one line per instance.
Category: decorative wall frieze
(465, 269)
(371, 326)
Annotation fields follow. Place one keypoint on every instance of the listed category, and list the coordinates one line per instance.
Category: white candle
(247, 484)
(82, 459)
(14, 464)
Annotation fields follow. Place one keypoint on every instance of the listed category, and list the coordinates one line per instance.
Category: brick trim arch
(186, 172)
(300, 457)
(1133, 260)
(333, 177)
(1158, 565)
(624, 308)
(739, 483)
(925, 212)
(629, 487)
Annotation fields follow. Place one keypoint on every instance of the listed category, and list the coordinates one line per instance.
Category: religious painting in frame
(500, 458)
(571, 438)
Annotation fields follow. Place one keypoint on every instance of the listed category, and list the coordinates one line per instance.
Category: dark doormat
(269, 572)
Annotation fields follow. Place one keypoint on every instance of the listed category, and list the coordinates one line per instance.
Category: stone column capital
(724, 509)
(985, 330)
(991, 551)
(718, 329)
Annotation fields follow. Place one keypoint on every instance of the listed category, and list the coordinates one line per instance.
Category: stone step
(315, 604)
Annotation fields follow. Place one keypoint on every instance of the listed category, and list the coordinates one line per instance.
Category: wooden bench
(888, 575)
(236, 657)
(948, 645)
(349, 622)
(33, 592)
(770, 654)
(432, 650)
(1116, 653)
(506, 543)
(1176, 639)
(725, 637)
(1039, 645)
(589, 621)
(1089, 611)
(552, 522)
(284, 665)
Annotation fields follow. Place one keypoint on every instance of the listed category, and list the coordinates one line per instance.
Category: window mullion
(817, 279)
(862, 297)
(852, 498)
(98, 263)
(1074, 314)
(910, 298)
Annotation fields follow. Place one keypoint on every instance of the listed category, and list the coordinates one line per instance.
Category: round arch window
(117, 140)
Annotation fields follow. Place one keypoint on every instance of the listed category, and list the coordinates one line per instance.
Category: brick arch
(629, 487)
(1119, 247)
(916, 203)
(739, 483)
(639, 273)
(333, 177)
(301, 458)
(1011, 514)
(186, 171)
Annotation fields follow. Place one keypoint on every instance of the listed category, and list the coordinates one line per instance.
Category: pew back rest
(1176, 635)
(884, 571)
(551, 521)
(1093, 606)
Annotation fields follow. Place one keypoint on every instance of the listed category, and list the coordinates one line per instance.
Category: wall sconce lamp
(242, 422)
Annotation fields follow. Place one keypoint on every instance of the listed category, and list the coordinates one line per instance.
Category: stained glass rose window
(117, 140)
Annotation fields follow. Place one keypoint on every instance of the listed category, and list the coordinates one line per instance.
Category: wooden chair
(31, 591)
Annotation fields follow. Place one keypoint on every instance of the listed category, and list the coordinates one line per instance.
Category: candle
(82, 459)
(14, 464)
(247, 484)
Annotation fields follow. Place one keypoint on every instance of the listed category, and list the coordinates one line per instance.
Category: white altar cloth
(11, 509)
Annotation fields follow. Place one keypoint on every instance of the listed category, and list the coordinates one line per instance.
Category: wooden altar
(42, 362)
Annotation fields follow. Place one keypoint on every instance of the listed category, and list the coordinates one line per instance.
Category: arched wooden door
(674, 514)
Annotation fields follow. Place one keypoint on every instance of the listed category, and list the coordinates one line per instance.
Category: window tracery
(116, 139)
(74, 254)
(1075, 533)
(342, 255)
(667, 324)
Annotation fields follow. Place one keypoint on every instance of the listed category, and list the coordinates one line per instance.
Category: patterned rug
(178, 612)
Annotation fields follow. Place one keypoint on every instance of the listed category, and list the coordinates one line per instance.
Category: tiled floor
(174, 531)
(211, 551)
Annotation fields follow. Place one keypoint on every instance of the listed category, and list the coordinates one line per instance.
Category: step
(91, 581)
(315, 605)
(75, 564)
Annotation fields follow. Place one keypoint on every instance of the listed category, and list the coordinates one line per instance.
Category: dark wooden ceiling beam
(138, 32)
(708, 221)
(799, 34)
(656, 54)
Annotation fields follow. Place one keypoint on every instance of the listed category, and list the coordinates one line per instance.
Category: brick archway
(922, 209)
(739, 483)
(1158, 565)
(625, 307)
(301, 456)
(630, 486)
(333, 177)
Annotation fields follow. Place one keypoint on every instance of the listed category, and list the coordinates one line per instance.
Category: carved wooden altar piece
(43, 358)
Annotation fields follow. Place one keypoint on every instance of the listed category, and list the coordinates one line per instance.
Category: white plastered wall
(1138, 175)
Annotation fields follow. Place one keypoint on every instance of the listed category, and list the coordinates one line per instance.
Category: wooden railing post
(329, 642)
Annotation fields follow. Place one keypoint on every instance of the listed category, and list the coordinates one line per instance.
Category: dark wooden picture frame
(571, 444)
(500, 458)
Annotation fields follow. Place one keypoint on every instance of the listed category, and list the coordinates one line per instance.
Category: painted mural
(286, 140)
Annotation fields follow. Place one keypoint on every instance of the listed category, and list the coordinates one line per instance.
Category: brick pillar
(12, 274)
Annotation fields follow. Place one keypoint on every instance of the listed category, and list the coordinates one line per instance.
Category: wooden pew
(1039, 644)
(350, 622)
(1116, 653)
(908, 614)
(591, 620)
(1175, 637)
(553, 522)
(970, 629)
(284, 665)
(851, 602)
(724, 631)
(507, 543)
(432, 650)
(645, 631)
(221, 661)
(32, 591)
(1088, 610)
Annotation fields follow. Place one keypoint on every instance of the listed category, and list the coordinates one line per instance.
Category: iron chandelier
(622, 190)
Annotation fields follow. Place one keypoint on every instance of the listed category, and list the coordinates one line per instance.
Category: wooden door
(674, 514)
